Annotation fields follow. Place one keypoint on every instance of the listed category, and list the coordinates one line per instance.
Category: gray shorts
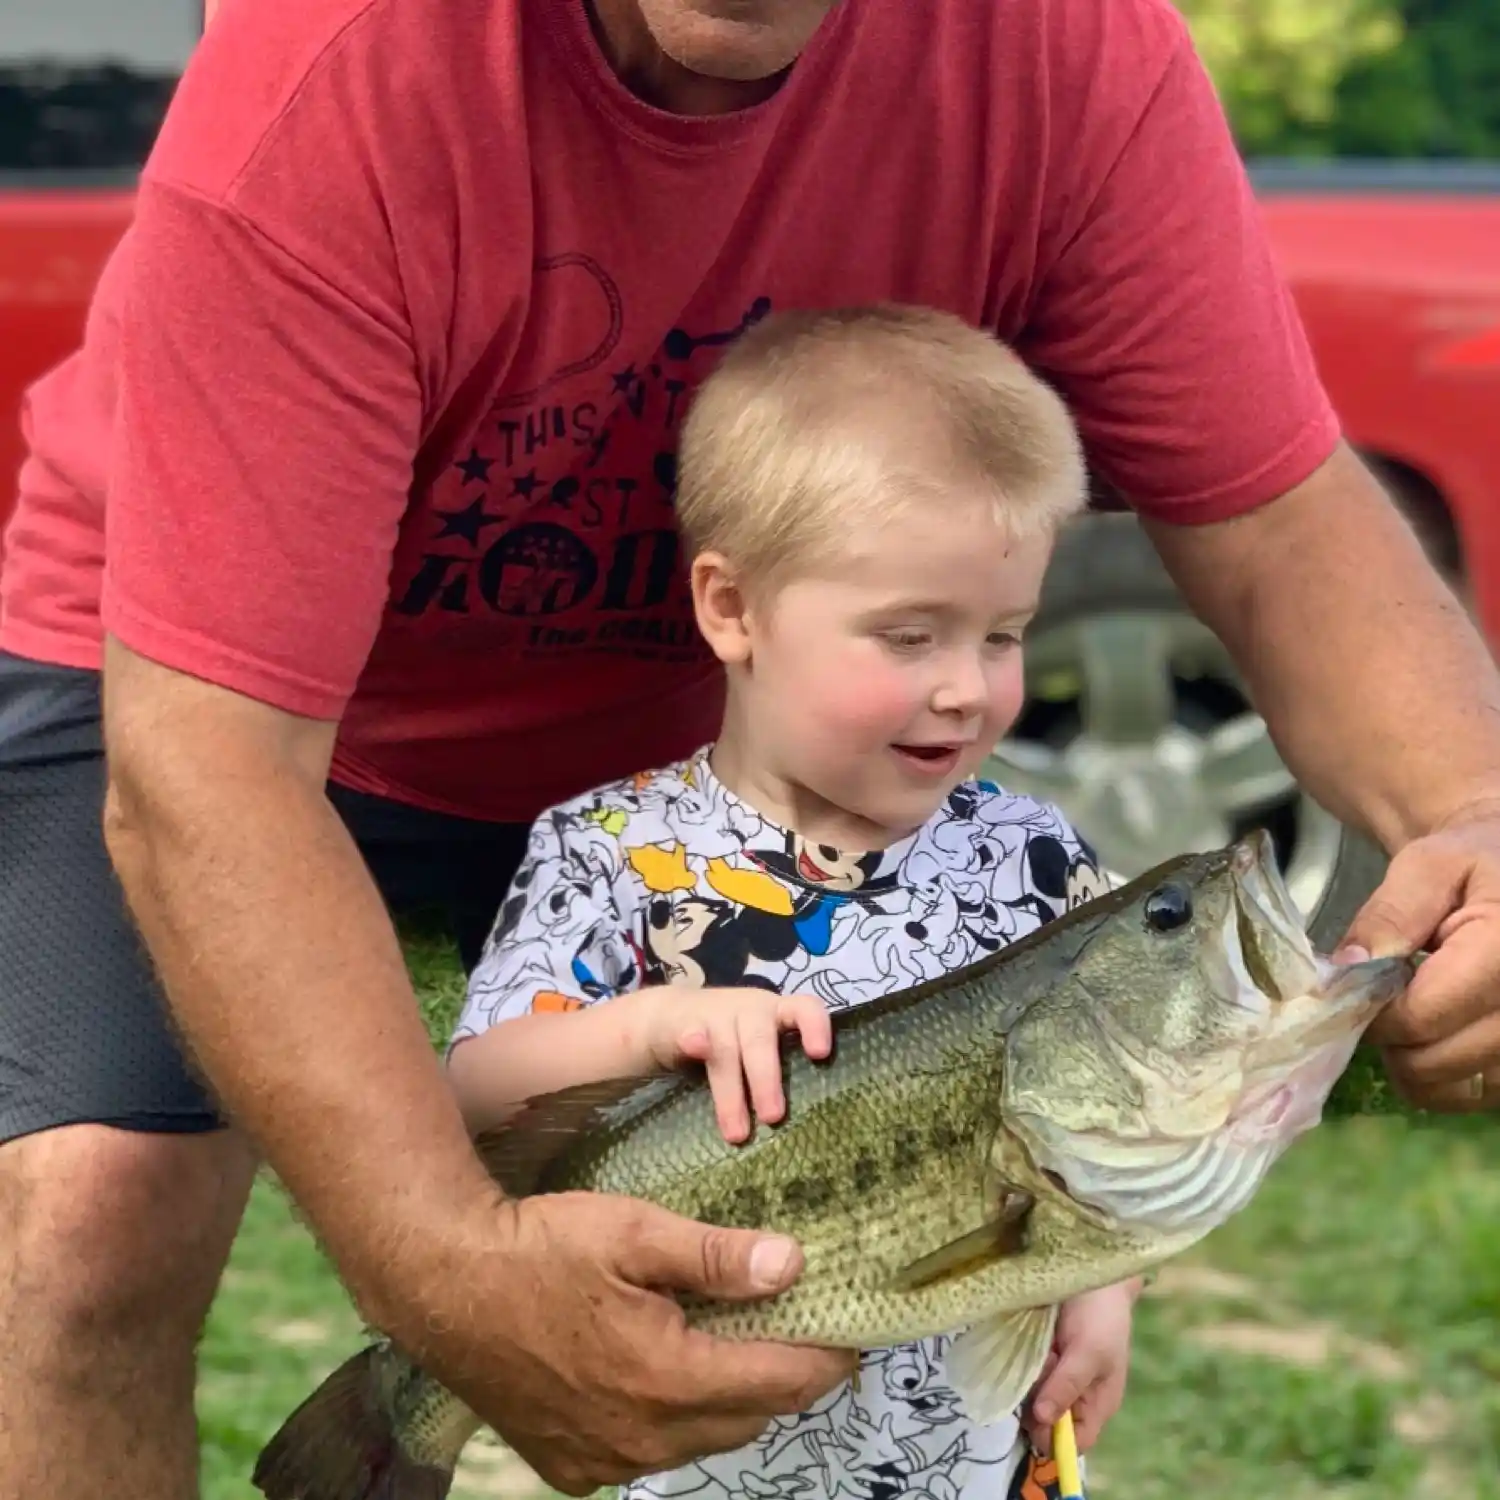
(84, 1035)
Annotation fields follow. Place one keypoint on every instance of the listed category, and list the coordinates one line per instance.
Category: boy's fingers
(810, 1017)
(695, 1044)
(760, 1058)
(1094, 1409)
(1076, 1371)
(726, 1081)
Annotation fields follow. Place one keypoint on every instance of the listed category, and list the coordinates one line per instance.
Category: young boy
(869, 499)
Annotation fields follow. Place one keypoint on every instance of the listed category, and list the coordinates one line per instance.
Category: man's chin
(750, 63)
(730, 48)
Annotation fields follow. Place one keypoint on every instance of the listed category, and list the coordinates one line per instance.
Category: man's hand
(1087, 1368)
(1441, 1040)
(585, 1365)
(1385, 702)
(268, 931)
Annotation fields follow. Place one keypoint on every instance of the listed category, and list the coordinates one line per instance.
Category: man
(378, 398)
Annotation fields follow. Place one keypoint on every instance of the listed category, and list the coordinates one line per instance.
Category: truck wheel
(1137, 726)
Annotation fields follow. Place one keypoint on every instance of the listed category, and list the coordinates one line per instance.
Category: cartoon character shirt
(671, 878)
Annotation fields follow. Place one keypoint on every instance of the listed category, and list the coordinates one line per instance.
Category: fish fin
(341, 1444)
(518, 1152)
(994, 1364)
(995, 1239)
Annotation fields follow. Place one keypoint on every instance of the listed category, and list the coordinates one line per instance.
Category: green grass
(1339, 1340)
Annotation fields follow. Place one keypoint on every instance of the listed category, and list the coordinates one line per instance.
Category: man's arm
(259, 479)
(1377, 689)
(286, 979)
(1384, 700)
(284, 973)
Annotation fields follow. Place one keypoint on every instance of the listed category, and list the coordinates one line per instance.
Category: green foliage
(1437, 95)
(1278, 63)
(1365, 1089)
(1370, 78)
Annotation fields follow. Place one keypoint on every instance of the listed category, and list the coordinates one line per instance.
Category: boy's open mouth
(929, 757)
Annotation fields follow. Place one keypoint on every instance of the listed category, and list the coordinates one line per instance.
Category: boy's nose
(962, 692)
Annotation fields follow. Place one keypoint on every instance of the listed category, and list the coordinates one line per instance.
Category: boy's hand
(1086, 1370)
(736, 1034)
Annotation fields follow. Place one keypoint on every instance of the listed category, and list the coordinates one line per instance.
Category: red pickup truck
(1396, 268)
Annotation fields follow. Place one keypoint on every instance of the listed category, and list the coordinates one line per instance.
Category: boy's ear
(720, 607)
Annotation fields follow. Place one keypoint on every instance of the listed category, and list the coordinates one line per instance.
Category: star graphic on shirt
(475, 466)
(466, 523)
(626, 380)
(525, 484)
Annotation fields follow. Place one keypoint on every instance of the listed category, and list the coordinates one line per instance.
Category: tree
(1436, 95)
(1278, 64)
(1383, 78)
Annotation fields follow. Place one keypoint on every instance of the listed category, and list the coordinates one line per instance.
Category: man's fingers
(1422, 886)
(668, 1393)
(1452, 991)
(668, 1251)
(663, 1249)
(668, 1445)
(763, 1376)
(1462, 1098)
(1447, 1074)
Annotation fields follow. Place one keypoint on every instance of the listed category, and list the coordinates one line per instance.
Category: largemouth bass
(1069, 1112)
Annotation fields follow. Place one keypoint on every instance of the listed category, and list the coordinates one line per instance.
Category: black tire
(1105, 561)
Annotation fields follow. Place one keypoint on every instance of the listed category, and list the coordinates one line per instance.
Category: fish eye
(1169, 907)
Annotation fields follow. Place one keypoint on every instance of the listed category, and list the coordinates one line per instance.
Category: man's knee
(115, 1236)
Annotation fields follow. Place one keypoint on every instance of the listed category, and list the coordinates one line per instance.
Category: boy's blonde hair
(816, 422)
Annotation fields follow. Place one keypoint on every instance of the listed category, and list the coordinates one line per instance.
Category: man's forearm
(1379, 692)
(287, 981)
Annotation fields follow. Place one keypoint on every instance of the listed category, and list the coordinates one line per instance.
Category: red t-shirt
(380, 393)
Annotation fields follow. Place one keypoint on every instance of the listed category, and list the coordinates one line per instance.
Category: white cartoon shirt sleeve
(563, 937)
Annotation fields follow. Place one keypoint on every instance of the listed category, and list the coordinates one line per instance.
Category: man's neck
(651, 75)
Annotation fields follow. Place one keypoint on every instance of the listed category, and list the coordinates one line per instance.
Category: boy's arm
(535, 1018)
(536, 1053)
(557, 999)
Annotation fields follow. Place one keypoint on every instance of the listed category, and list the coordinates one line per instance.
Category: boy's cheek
(869, 719)
(1007, 695)
(857, 701)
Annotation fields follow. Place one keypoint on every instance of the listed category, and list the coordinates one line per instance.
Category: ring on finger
(1477, 1085)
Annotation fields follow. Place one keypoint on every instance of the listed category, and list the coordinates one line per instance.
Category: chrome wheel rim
(1138, 728)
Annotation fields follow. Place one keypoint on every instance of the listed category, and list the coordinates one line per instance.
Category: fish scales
(885, 1158)
(882, 1160)
(1077, 1108)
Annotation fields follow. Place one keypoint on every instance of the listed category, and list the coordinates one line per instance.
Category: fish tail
(342, 1444)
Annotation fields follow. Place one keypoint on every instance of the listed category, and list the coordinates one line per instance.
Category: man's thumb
(733, 1265)
(1415, 897)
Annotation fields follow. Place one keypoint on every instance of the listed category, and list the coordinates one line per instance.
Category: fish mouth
(1269, 933)
(1298, 1018)
(1272, 954)
(1316, 1010)
(1315, 1004)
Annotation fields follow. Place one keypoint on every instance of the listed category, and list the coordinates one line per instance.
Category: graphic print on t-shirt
(558, 514)
(668, 877)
